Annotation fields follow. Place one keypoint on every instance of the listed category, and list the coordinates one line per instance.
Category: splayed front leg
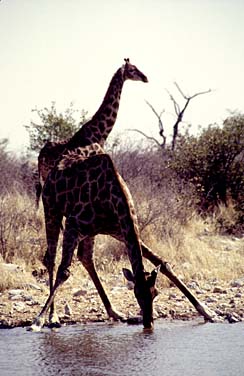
(62, 276)
(85, 255)
(166, 269)
(117, 316)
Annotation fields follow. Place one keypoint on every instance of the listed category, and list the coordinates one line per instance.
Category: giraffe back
(91, 191)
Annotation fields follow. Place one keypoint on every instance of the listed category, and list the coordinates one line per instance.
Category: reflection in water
(97, 350)
(104, 351)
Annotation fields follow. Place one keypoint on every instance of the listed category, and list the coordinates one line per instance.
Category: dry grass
(199, 252)
(21, 229)
(193, 246)
(14, 276)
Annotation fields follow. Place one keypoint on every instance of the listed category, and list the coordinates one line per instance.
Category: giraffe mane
(69, 160)
(72, 157)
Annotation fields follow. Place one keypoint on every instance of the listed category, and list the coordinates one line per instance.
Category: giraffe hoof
(116, 316)
(37, 325)
(53, 325)
(54, 321)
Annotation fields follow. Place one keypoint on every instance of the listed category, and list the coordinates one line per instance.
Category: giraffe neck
(129, 227)
(102, 122)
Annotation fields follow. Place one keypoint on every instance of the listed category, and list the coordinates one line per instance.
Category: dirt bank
(79, 302)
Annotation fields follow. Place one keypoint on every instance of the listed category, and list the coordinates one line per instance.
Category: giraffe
(92, 196)
(96, 130)
(86, 188)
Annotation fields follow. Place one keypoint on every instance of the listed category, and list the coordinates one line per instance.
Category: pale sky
(67, 51)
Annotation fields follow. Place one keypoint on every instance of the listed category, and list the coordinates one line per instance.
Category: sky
(68, 51)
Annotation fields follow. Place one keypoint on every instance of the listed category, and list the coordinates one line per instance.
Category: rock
(193, 285)
(16, 297)
(27, 298)
(172, 312)
(32, 286)
(207, 287)
(11, 267)
(67, 310)
(209, 299)
(237, 283)
(200, 292)
(238, 295)
(15, 292)
(19, 306)
(232, 318)
(32, 303)
(219, 290)
(79, 293)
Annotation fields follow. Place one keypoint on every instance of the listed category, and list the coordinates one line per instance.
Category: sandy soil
(76, 304)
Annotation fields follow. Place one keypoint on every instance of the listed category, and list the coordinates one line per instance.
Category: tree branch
(160, 123)
(145, 135)
(180, 113)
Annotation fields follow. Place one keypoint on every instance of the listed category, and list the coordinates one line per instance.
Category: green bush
(53, 126)
(214, 163)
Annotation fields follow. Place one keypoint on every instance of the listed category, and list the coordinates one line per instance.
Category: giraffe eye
(131, 71)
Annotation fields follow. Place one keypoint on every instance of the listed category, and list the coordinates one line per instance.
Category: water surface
(172, 349)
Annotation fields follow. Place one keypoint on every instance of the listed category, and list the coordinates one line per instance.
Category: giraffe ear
(128, 275)
(153, 276)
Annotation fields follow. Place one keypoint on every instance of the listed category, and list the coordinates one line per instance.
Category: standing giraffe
(94, 199)
(95, 130)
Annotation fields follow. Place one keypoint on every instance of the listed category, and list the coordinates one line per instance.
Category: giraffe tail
(38, 193)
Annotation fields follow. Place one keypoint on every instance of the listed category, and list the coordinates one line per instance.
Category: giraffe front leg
(52, 230)
(85, 255)
(62, 276)
(168, 272)
(69, 244)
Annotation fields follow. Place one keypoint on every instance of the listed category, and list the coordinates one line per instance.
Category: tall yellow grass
(194, 247)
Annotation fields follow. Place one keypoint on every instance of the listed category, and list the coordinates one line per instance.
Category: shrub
(214, 163)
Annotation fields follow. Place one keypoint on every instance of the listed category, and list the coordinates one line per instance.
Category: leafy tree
(214, 162)
(53, 126)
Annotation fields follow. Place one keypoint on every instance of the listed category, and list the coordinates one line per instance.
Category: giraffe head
(145, 292)
(131, 72)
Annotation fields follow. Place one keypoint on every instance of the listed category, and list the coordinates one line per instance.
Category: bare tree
(179, 112)
(179, 117)
(160, 123)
